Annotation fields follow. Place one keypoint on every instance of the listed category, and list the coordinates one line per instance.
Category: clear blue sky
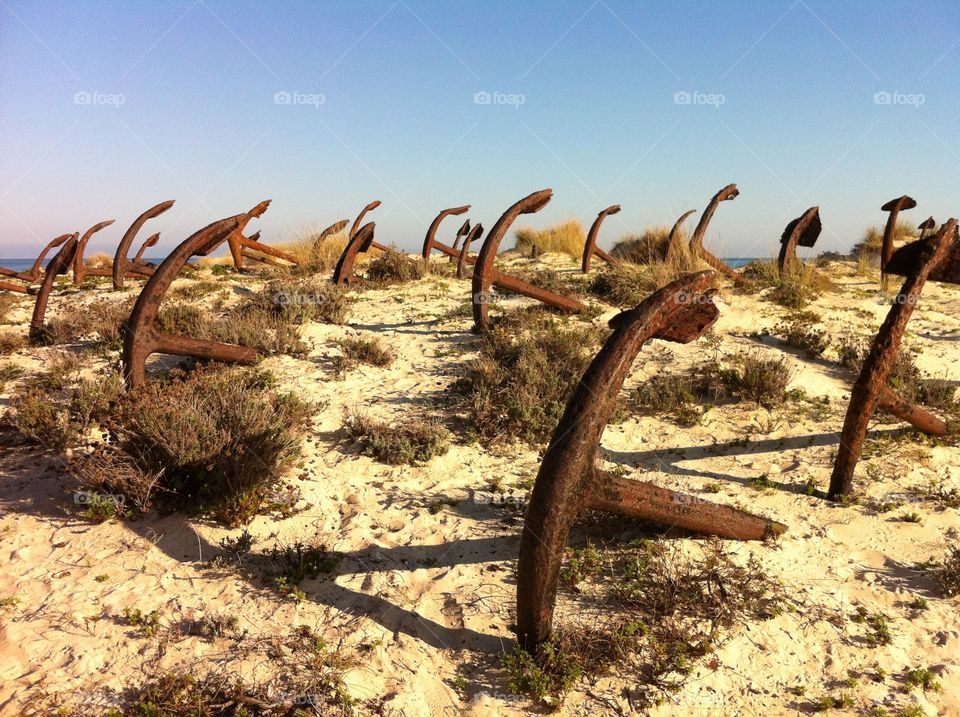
(199, 122)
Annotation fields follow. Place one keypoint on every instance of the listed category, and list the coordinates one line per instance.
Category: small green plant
(147, 623)
(578, 564)
(948, 573)
(394, 267)
(801, 333)
(924, 679)
(545, 676)
(878, 627)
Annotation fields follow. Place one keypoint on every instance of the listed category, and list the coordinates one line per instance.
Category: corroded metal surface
(486, 275)
(430, 239)
(360, 242)
(590, 245)
(80, 270)
(60, 264)
(32, 275)
(893, 207)
(907, 259)
(866, 391)
(331, 230)
(697, 249)
(675, 239)
(461, 233)
(802, 231)
(142, 335)
(121, 264)
(356, 222)
(16, 288)
(465, 249)
(567, 481)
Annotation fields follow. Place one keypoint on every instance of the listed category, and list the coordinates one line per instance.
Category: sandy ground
(426, 597)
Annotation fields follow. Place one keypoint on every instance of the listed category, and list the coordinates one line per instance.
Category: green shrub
(414, 441)
(525, 370)
(394, 267)
(220, 437)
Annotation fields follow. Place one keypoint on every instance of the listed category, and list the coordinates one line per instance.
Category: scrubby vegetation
(214, 441)
(797, 288)
(413, 441)
(298, 302)
(355, 350)
(868, 248)
(661, 609)
(58, 408)
(395, 267)
(630, 283)
(800, 331)
(565, 237)
(649, 247)
(748, 376)
(525, 370)
(98, 321)
(315, 258)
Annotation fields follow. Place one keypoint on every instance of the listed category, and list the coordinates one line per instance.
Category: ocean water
(24, 264)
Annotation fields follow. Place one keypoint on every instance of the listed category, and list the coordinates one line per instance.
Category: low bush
(221, 438)
(413, 441)
(394, 267)
(525, 370)
(355, 350)
(99, 321)
(800, 332)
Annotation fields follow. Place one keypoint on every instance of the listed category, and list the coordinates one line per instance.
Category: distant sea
(24, 264)
(734, 262)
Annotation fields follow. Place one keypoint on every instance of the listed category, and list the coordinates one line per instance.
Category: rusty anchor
(430, 240)
(925, 226)
(60, 264)
(486, 275)
(121, 264)
(335, 228)
(142, 335)
(936, 258)
(893, 207)
(32, 275)
(360, 242)
(675, 238)
(568, 480)
(461, 233)
(465, 249)
(802, 231)
(697, 249)
(590, 245)
(80, 270)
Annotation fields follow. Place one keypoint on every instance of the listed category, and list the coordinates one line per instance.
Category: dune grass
(566, 237)
(868, 248)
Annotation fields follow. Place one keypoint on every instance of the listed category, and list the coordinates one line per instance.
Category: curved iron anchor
(32, 274)
(486, 275)
(568, 482)
(940, 252)
(80, 270)
(122, 265)
(675, 239)
(696, 241)
(335, 228)
(894, 207)
(60, 264)
(925, 226)
(461, 233)
(142, 335)
(465, 249)
(590, 246)
(430, 239)
(360, 242)
(802, 231)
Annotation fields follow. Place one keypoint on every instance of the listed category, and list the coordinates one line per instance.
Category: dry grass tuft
(99, 322)
(868, 248)
(649, 247)
(356, 350)
(395, 267)
(566, 237)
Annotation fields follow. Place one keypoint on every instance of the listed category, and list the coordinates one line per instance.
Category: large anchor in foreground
(936, 258)
(142, 335)
(569, 481)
